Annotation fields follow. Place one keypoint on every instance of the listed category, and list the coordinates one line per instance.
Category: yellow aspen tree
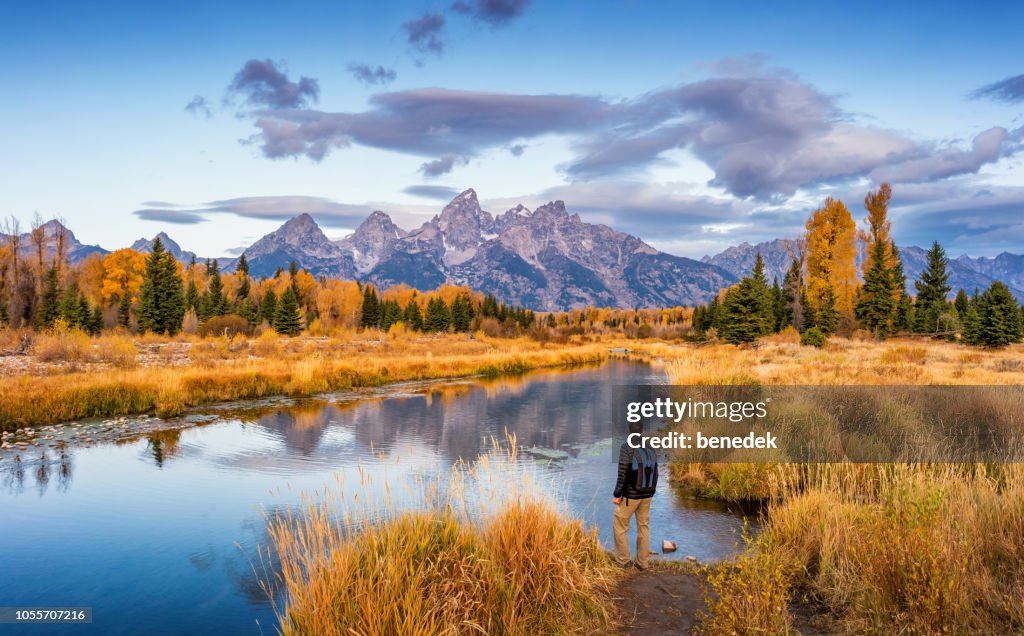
(831, 256)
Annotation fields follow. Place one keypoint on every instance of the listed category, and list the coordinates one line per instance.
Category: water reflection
(42, 466)
(162, 532)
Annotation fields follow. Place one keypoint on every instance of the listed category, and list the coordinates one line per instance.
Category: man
(636, 483)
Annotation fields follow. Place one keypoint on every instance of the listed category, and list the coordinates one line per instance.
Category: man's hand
(615, 500)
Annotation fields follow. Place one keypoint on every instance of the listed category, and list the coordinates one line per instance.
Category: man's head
(636, 427)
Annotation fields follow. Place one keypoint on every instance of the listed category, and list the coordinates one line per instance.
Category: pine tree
(876, 307)
(971, 321)
(124, 310)
(748, 309)
(999, 317)
(69, 308)
(49, 302)
(390, 313)
(489, 308)
(268, 308)
(462, 313)
(161, 301)
(192, 299)
(932, 288)
(287, 320)
(97, 320)
(778, 306)
(369, 314)
(904, 317)
(84, 314)
(961, 302)
(413, 315)
(214, 303)
(826, 317)
(438, 318)
(792, 295)
(243, 273)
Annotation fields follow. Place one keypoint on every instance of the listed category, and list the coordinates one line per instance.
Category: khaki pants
(623, 512)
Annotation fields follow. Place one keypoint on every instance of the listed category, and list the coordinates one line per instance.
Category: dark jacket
(633, 483)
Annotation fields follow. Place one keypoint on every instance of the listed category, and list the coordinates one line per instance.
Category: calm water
(158, 534)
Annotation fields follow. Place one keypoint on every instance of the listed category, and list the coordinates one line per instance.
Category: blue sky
(693, 125)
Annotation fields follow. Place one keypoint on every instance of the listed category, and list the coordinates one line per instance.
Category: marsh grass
(487, 554)
(897, 548)
(221, 370)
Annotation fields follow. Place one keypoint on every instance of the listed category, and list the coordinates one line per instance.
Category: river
(159, 534)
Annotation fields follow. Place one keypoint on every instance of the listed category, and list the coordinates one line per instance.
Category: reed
(897, 548)
(486, 555)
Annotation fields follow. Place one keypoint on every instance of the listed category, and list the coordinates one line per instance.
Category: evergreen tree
(792, 295)
(49, 303)
(462, 313)
(214, 303)
(84, 314)
(413, 315)
(932, 288)
(96, 325)
(192, 300)
(904, 317)
(748, 311)
(778, 306)
(287, 320)
(268, 308)
(369, 314)
(876, 307)
(243, 273)
(961, 302)
(5, 316)
(438, 318)
(390, 313)
(69, 308)
(826, 319)
(999, 317)
(161, 301)
(489, 308)
(124, 310)
(293, 273)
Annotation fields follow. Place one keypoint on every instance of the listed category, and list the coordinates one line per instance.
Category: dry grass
(881, 548)
(223, 369)
(453, 564)
(780, 361)
(886, 549)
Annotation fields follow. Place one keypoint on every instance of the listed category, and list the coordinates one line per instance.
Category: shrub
(266, 344)
(814, 337)
(229, 325)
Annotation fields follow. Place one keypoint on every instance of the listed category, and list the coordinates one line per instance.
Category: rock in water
(668, 546)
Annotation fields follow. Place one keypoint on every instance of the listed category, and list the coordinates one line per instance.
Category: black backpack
(645, 466)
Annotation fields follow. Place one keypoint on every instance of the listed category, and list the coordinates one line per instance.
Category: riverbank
(220, 370)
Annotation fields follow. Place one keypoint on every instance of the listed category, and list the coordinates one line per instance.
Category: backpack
(645, 466)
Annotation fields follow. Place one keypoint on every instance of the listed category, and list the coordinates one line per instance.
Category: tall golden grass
(468, 560)
(878, 548)
(222, 371)
(885, 549)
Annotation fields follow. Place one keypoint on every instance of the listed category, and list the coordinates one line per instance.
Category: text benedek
(671, 410)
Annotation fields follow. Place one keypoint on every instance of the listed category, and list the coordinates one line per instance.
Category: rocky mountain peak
(146, 245)
(462, 226)
(552, 209)
(371, 240)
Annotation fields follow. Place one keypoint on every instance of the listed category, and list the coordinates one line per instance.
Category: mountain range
(545, 259)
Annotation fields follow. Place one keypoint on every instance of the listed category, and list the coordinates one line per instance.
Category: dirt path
(662, 600)
(667, 598)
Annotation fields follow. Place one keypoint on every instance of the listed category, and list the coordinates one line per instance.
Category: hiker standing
(636, 483)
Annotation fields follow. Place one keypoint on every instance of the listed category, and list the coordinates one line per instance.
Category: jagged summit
(371, 240)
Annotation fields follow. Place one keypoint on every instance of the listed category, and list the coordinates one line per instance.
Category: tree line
(155, 293)
(821, 294)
